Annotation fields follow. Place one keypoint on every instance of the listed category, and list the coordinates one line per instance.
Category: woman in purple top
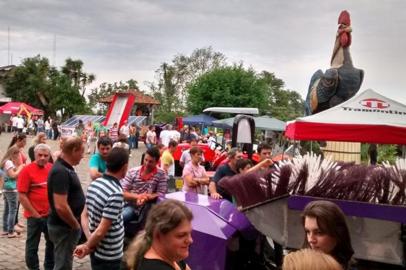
(194, 175)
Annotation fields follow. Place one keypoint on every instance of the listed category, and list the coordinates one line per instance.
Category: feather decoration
(311, 175)
(283, 183)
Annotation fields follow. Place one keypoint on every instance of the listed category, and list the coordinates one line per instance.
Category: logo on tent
(374, 103)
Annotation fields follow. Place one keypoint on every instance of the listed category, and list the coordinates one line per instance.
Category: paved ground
(12, 250)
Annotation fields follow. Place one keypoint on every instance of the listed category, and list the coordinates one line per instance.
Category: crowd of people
(185, 134)
(33, 125)
(127, 136)
(55, 205)
(122, 201)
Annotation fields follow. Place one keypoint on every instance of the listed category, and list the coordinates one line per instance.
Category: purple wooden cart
(376, 229)
(216, 225)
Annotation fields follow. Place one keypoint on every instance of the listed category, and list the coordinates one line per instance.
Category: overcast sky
(123, 39)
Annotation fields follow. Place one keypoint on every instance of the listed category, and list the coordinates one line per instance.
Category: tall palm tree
(86, 79)
(74, 70)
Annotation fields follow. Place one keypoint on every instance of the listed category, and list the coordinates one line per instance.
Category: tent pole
(311, 147)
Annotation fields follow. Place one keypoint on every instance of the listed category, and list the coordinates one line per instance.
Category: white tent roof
(367, 117)
(233, 110)
(261, 122)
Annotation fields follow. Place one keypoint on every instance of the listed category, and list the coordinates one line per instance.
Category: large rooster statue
(342, 81)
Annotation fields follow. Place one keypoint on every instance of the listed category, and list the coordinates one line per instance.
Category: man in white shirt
(150, 139)
(165, 135)
(14, 120)
(174, 135)
(48, 127)
(211, 141)
(20, 124)
(125, 129)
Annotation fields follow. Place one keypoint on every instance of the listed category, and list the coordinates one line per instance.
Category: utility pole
(8, 45)
(54, 52)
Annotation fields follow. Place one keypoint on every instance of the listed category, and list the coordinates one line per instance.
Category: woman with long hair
(327, 231)
(165, 241)
(20, 140)
(12, 166)
(308, 259)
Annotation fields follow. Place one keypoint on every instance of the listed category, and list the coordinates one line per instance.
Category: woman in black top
(164, 243)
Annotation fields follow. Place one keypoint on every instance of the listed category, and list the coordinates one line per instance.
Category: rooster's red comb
(344, 18)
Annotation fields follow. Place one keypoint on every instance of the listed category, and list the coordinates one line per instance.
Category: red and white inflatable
(119, 109)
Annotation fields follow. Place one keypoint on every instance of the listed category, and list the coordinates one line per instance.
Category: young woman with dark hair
(20, 140)
(326, 230)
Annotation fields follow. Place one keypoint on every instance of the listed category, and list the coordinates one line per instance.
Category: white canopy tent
(368, 117)
(261, 122)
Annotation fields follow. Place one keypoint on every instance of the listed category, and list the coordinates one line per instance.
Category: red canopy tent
(19, 108)
(368, 117)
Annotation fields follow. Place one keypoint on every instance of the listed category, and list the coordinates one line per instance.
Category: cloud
(131, 38)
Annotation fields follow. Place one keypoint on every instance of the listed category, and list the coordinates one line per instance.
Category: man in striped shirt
(142, 186)
(102, 220)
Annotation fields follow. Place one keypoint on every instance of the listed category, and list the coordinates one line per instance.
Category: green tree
(132, 84)
(172, 79)
(186, 69)
(28, 82)
(166, 93)
(231, 86)
(74, 70)
(283, 104)
(65, 97)
(106, 89)
(387, 152)
(43, 86)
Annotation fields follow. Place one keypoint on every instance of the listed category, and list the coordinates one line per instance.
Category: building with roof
(4, 70)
